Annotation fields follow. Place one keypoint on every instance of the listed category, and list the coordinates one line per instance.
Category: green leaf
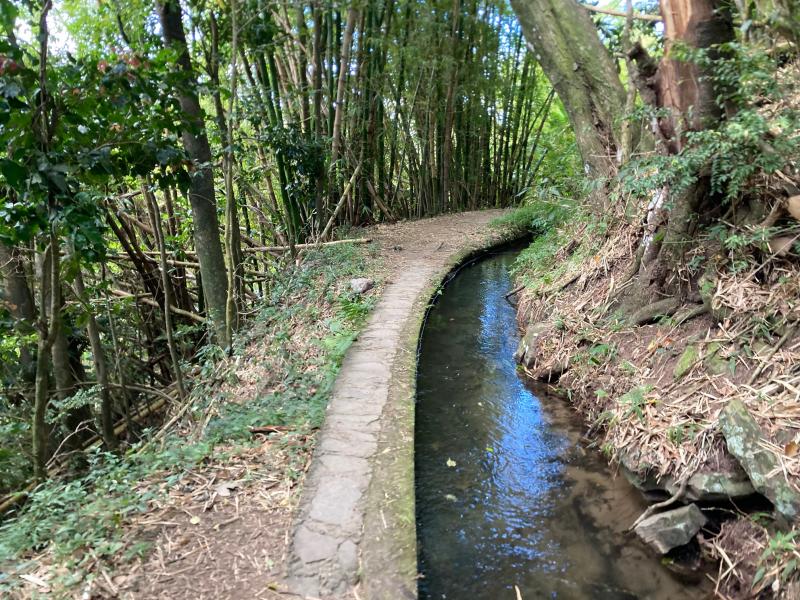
(790, 568)
(759, 576)
(13, 172)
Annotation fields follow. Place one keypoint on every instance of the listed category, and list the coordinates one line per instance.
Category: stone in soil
(528, 353)
(685, 362)
(361, 285)
(667, 530)
(743, 437)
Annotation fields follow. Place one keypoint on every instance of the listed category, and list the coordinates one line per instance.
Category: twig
(775, 348)
(617, 13)
(668, 502)
(307, 246)
(150, 302)
(267, 429)
(516, 290)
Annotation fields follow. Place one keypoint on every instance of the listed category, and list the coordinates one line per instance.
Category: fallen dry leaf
(791, 449)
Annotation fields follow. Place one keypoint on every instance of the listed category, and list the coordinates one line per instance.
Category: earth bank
(695, 399)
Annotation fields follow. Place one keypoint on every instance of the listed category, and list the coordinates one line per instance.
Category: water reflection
(506, 494)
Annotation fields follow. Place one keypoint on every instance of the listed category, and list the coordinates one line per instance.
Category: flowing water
(507, 493)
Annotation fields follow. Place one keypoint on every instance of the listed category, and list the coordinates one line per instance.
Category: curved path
(354, 533)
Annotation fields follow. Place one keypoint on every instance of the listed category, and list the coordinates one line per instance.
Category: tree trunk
(99, 361)
(47, 333)
(688, 94)
(18, 299)
(681, 86)
(201, 190)
(564, 40)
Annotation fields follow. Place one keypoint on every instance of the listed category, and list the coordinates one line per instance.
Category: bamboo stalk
(146, 299)
(339, 206)
(308, 246)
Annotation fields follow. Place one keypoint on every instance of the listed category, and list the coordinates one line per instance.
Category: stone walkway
(354, 533)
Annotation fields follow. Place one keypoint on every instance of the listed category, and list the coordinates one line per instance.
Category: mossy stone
(714, 363)
(686, 361)
(743, 437)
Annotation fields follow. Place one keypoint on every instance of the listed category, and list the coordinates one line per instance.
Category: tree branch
(619, 13)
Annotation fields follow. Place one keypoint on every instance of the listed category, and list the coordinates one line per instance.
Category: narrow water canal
(507, 495)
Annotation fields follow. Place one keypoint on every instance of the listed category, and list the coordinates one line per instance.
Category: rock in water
(361, 285)
(727, 482)
(743, 437)
(529, 344)
(667, 530)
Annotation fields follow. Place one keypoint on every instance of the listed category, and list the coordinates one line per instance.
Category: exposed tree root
(690, 313)
(651, 312)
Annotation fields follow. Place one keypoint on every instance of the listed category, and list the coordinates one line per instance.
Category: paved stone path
(326, 552)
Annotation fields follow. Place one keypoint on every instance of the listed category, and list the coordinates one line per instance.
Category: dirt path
(226, 528)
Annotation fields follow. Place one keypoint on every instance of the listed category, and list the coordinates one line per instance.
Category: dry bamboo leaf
(793, 206)
(791, 449)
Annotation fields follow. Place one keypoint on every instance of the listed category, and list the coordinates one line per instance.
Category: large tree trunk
(680, 86)
(201, 190)
(690, 98)
(564, 40)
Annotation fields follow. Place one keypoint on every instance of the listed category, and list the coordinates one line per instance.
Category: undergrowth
(83, 519)
(536, 217)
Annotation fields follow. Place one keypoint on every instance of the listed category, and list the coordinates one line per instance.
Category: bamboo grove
(161, 161)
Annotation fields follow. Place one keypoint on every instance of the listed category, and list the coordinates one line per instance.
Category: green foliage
(781, 554)
(538, 266)
(677, 434)
(751, 141)
(536, 217)
(635, 400)
(15, 463)
(304, 160)
(86, 516)
(116, 119)
(597, 354)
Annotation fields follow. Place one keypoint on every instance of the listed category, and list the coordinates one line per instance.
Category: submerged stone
(743, 437)
(667, 530)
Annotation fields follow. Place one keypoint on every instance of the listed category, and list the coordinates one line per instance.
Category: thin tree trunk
(99, 361)
(201, 189)
(232, 233)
